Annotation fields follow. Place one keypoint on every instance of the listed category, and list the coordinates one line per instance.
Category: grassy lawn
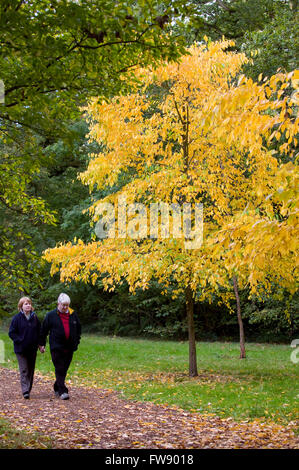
(264, 385)
(16, 439)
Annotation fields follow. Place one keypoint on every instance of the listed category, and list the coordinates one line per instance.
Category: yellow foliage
(205, 139)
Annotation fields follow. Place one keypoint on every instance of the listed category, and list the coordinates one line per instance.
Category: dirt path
(97, 418)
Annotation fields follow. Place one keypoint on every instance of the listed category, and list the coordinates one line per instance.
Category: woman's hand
(42, 349)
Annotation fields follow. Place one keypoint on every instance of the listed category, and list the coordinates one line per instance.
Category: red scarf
(66, 324)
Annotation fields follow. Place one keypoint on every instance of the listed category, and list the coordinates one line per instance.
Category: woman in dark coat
(64, 328)
(24, 331)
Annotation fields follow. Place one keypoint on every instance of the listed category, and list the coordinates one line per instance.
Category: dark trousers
(61, 360)
(26, 367)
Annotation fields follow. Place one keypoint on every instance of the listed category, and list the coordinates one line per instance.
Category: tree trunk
(191, 332)
(241, 328)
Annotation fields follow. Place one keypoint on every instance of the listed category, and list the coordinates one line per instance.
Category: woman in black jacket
(24, 331)
(64, 329)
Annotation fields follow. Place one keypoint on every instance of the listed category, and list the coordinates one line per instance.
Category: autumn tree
(259, 244)
(193, 133)
(263, 243)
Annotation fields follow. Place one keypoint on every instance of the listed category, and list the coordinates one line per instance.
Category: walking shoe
(57, 394)
(26, 395)
(64, 396)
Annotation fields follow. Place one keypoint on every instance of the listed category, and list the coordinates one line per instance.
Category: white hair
(63, 298)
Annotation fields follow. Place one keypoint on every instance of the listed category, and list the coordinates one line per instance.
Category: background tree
(53, 55)
(232, 18)
(276, 45)
(264, 29)
(55, 186)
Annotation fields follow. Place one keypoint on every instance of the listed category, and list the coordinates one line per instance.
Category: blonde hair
(22, 301)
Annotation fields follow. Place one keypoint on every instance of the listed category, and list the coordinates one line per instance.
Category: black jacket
(52, 324)
(24, 333)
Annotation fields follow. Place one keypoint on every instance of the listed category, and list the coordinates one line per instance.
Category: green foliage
(23, 236)
(21, 209)
(145, 312)
(232, 19)
(273, 319)
(276, 46)
(55, 53)
(59, 186)
(53, 57)
(266, 30)
(151, 314)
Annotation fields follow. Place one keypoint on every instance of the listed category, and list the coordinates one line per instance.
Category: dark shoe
(57, 394)
(26, 395)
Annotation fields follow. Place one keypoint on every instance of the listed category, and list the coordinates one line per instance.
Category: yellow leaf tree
(190, 137)
(262, 240)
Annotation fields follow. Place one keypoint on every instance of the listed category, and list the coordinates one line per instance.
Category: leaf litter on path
(100, 418)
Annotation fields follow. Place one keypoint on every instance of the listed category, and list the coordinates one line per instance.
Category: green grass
(264, 385)
(16, 439)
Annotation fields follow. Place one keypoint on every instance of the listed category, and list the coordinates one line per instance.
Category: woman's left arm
(13, 330)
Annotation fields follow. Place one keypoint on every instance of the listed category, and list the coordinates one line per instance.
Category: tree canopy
(196, 132)
(53, 56)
